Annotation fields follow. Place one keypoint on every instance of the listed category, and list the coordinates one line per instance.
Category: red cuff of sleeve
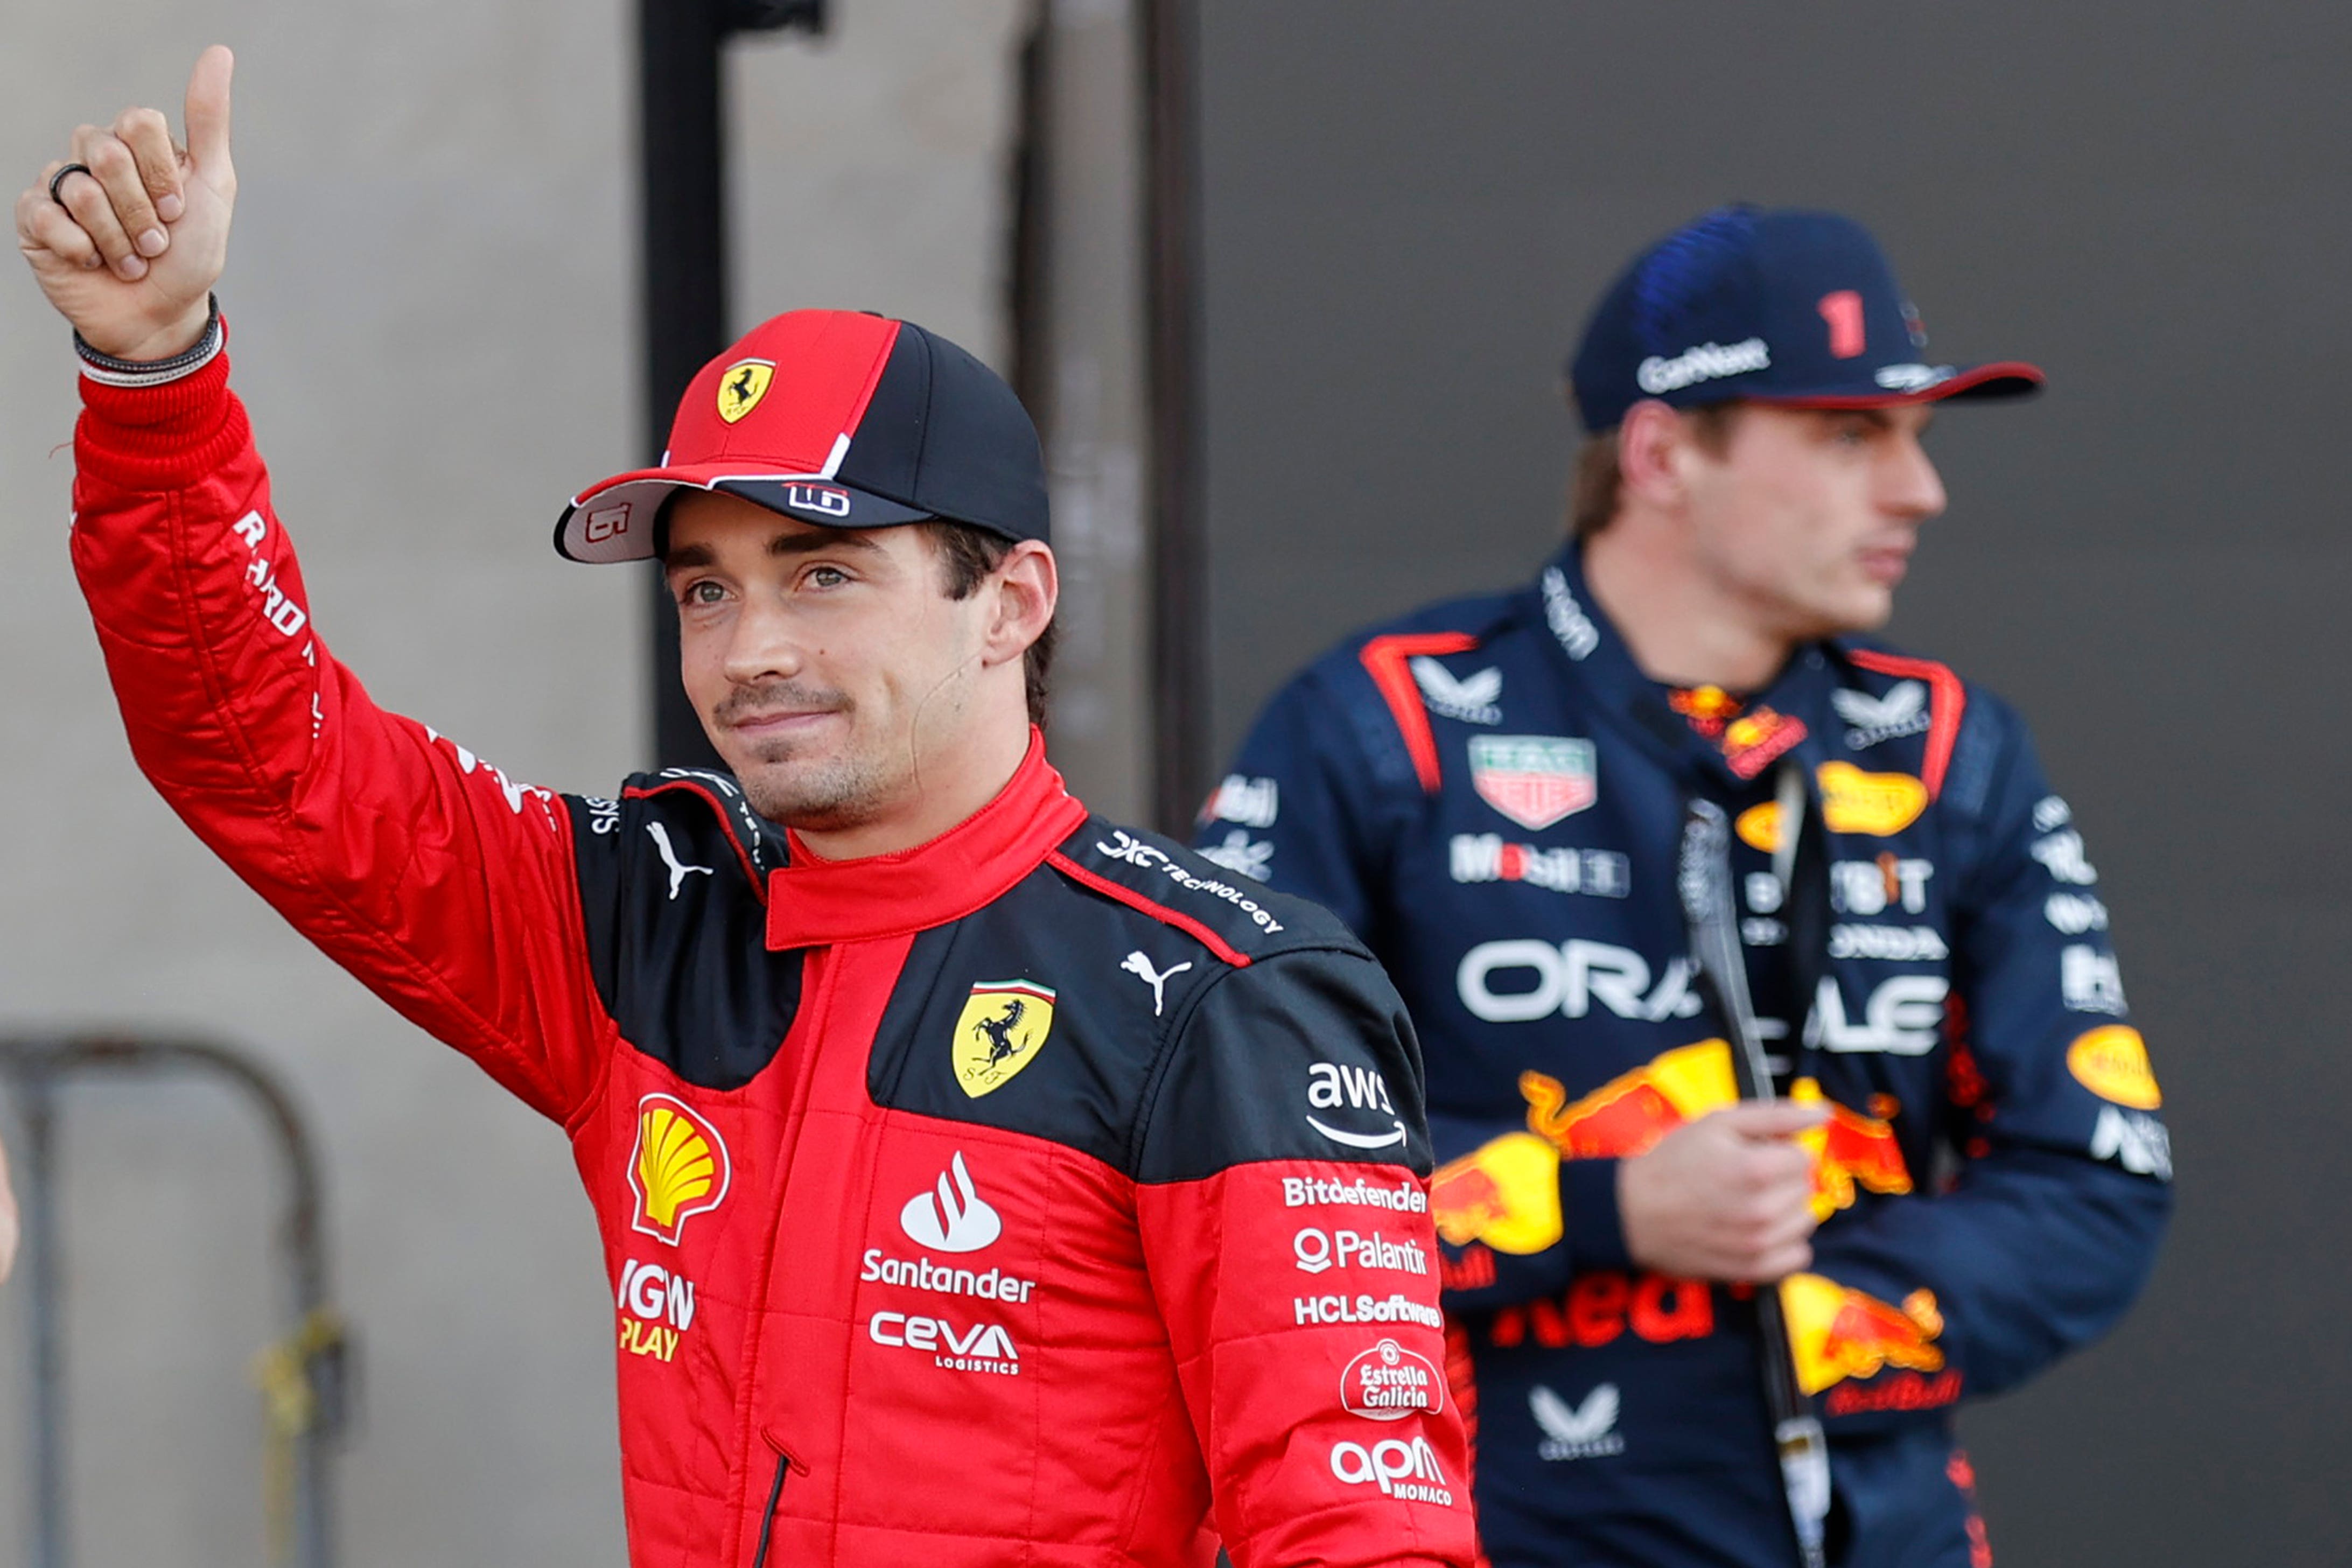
(158, 437)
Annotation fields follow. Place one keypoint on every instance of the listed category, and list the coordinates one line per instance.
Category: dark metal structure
(305, 1375)
(682, 178)
(1179, 545)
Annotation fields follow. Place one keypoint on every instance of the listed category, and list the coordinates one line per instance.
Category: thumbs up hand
(129, 244)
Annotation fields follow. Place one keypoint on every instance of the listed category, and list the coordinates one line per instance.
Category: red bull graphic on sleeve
(1626, 1116)
(1629, 1114)
(1837, 1333)
(1851, 1149)
(1504, 1193)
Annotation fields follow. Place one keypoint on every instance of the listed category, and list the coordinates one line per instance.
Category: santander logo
(950, 1219)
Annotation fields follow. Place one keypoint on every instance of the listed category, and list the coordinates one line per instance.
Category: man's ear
(1024, 588)
(1653, 443)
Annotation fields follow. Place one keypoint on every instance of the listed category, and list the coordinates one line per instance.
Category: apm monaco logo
(741, 385)
(1404, 1470)
(1389, 1382)
(1003, 1023)
(1534, 780)
(679, 1169)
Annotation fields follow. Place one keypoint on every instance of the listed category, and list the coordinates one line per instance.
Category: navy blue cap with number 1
(1794, 307)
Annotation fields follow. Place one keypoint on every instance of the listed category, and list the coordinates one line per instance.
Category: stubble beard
(819, 794)
(795, 784)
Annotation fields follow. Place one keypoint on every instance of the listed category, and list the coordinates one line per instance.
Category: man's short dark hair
(1598, 486)
(967, 556)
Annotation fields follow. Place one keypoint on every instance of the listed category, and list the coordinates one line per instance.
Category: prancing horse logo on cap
(741, 385)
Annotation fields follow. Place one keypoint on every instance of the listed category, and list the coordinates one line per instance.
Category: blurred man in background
(1966, 1179)
(932, 1123)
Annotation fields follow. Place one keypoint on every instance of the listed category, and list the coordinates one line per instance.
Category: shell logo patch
(679, 1169)
(2112, 1063)
(1878, 804)
(1003, 1023)
(741, 385)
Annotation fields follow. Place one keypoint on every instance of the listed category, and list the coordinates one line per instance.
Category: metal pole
(1179, 553)
(682, 173)
(682, 219)
(38, 1207)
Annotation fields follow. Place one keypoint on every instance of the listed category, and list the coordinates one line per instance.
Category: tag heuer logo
(1534, 780)
(1004, 1023)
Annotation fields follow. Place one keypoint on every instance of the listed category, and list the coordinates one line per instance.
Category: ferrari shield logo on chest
(1534, 780)
(1004, 1023)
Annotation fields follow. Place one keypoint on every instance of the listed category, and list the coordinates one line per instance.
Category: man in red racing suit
(952, 1150)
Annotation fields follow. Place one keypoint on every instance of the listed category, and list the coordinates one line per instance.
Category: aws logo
(679, 1169)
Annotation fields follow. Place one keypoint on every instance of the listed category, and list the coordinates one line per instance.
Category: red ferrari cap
(836, 418)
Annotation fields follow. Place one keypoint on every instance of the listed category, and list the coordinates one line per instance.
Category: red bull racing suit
(1042, 1194)
(1491, 793)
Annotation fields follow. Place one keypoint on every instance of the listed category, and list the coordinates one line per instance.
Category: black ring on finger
(59, 178)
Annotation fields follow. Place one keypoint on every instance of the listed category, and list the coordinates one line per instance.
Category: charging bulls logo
(679, 1169)
(1004, 1023)
(741, 385)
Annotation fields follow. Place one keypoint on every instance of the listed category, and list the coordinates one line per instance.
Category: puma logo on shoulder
(678, 870)
(1141, 967)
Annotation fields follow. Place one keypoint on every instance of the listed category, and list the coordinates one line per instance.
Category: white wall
(431, 292)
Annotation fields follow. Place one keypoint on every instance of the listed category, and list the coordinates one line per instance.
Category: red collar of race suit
(813, 902)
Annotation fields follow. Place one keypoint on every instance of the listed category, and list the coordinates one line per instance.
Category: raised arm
(443, 886)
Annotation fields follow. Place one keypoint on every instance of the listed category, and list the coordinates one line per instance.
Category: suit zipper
(775, 1498)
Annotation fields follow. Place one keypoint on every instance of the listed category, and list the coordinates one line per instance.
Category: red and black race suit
(1039, 1194)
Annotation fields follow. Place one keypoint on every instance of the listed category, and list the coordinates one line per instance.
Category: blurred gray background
(1403, 211)
(1408, 209)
